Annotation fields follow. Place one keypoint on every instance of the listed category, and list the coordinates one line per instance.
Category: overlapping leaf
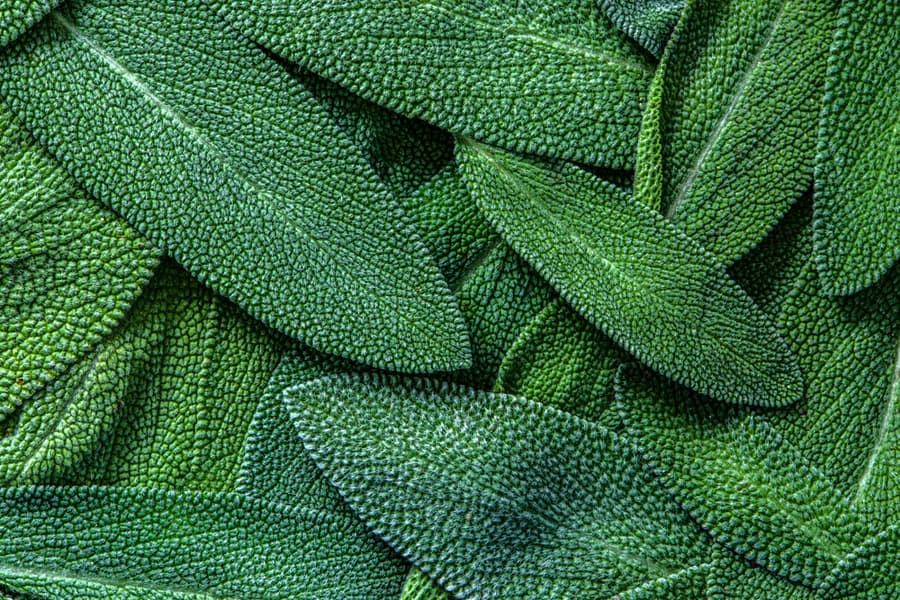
(858, 162)
(18, 15)
(495, 496)
(69, 269)
(551, 77)
(649, 22)
(727, 143)
(215, 153)
(649, 287)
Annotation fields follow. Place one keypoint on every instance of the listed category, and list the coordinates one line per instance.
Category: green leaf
(563, 361)
(219, 156)
(744, 483)
(492, 495)
(18, 15)
(419, 587)
(276, 468)
(731, 578)
(648, 22)
(726, 144)
(193, 369)
(858, 162)
(551, 77)
(149, 544)
(69, 268)
(634, 275)
(870, 571)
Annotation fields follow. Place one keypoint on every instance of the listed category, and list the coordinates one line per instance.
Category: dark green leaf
(649, 22)
(18, 15)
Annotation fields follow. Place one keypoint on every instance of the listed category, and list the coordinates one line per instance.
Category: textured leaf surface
(728, 145)
(731, 578)
(212, 150)
(69, 269)
(419, 587)
(143, 543)
(563, 361)
(195, 369)
(648, 22)
(18, 15)
(858, 162)
(494, 496)
(643, 282)
(870, 571)
(752, 490)
(551, 77)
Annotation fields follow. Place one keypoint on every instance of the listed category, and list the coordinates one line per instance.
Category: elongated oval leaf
(858, 161)
(143, 543)
(495, 496)
(215, 153)
(69, 268)
(551, 77)
(727, 141)
(643, 282)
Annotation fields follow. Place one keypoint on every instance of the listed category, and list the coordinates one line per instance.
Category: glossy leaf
(727, 142)
(237, 171)
(69, 268)
(551, 77)
(858, 161)
(629, 272)
(492, 495)
(111, 543)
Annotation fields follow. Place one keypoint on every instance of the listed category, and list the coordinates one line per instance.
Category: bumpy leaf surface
(634, 275)
(69, 268)
(870, 571)
(133, 543)
(493, 495)
(727, 144)
(551, 77)
(648, 22)
(18, 15)
(752, 490)
(214, 152)
(858, 162)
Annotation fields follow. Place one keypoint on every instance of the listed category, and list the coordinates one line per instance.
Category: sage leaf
(551, 77)
(648, 22)
(643, 282)
(869, 572)
(234, 169)
(18, 15)
(858, 161)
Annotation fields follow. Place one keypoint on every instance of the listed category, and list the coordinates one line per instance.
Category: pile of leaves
(582, 299)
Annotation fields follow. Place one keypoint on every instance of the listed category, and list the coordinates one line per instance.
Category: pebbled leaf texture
(18, 15)
(69, 268)
(858, 161)
(869, 572)
(643, 282)
(114, 544)
(551, 77)
(740, 479)
(492, 495)
(210, 148)
(727, 143)
(648, 22)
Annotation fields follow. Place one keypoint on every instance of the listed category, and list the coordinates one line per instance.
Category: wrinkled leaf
(648, 22)
(868, 572)
(18, 15)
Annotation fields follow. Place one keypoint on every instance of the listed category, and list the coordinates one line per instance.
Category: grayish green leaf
(551, 77)
(637, 277)
(69, 268)
(858, 162)
(146, 544)
(215, 153)
(649, 22)
(726, 144)
(492, 495)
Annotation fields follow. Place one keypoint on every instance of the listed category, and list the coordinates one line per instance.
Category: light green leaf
(419, 587)
(18, 15)
(69, 268)
(648, 22)
(870, 571)
(551, 77)
(726, 144)
(858, 162)
(745, 484)
(194, 367)
(202, 141)
(563, 361)
(637, 277)
(492, 495)
(148, 544)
